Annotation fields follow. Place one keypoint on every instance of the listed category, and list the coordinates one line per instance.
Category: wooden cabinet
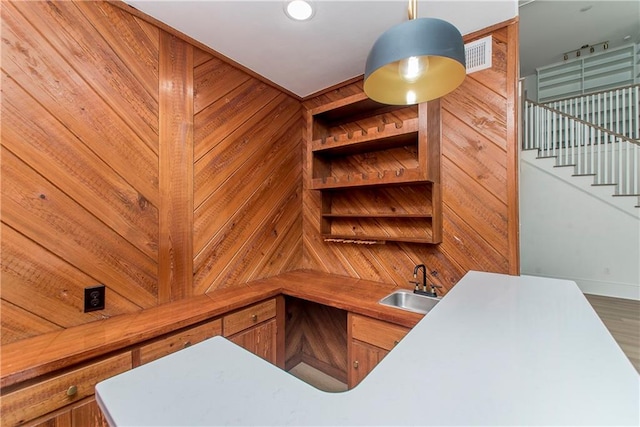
(66, 399)
(378, 169)
(259, 339)
(42, 397)
(256, 329)
(83, 414)
(370, 340)
(178, 341)
(88, 414)
(363, 358)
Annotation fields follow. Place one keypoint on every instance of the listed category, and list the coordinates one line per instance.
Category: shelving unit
(378, 169)
(587, 74)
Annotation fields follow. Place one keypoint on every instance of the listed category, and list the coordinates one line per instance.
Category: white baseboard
(617, 290)
(607, 289)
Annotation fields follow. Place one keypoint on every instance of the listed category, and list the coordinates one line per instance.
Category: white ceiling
(548, 29)
(306, 57)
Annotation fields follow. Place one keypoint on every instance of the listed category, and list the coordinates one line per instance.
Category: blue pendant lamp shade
(416, 61)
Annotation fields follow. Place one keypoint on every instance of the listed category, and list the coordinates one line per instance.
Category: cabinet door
(62, 419)
(260, 340)
(363, 358)
(88, 414)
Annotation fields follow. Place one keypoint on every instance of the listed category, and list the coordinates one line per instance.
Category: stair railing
(593, 150)
(616, 109)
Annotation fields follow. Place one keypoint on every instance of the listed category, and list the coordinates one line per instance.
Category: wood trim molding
(490, 30)
(175, 240)
(513, 165)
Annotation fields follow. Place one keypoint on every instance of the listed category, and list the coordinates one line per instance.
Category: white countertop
(497, 350)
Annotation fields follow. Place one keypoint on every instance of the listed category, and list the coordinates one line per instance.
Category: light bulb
(411, 97)
(413, 67)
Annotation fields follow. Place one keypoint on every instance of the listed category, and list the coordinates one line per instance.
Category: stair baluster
(611, 155)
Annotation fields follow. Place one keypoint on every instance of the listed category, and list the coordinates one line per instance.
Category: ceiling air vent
(478, 54)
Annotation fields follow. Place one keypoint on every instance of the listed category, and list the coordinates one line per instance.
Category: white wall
(531, 87)
(569, 233)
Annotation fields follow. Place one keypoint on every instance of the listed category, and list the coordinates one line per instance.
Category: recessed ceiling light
(299, 10)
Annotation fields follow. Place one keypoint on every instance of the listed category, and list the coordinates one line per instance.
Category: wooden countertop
(32, 357)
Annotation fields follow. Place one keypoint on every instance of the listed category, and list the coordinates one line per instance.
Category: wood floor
(316, 378)
(622, 318)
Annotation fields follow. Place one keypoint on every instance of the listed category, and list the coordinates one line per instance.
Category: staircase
(595, 136)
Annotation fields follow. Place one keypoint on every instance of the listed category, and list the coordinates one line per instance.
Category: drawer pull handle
(254, 317)
(72, 391)
(355, 364)
(187, 344)
(395, 342)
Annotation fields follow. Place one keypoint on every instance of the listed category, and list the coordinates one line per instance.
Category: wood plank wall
(479, 184)
(131, 158)
(316, 334)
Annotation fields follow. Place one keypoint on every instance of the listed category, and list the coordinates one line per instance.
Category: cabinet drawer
(48, 395)
(248, 317)
(376, 332)
(179, 341)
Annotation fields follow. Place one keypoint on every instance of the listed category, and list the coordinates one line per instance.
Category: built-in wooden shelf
(347, 238)
(384, 178)
(378, 169)
(377, 138)
(368, 215)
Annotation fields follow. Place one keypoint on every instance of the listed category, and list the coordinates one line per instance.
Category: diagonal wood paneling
(107, 178)
(224, 160)
(317, 335)
(224, 116)
(81, 188)
(52, 150)
(79, 163)
(18, 324)
(247, 178)
(28, 269)
(478, 200)
(46, 215)
(214, 79)
(249, 214)
(29, 58)
(134, 41)
(68, 30)
(460, 141)
(477, 206)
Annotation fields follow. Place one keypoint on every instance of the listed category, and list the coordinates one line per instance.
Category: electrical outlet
(94, 298)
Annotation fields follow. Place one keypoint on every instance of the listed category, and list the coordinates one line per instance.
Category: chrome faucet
(423, 291)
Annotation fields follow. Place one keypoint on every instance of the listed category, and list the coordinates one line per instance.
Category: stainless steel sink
(407, 300)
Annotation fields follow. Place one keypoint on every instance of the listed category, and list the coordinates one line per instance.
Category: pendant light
(416, 61)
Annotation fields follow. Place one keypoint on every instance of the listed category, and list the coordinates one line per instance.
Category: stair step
(584, 181)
